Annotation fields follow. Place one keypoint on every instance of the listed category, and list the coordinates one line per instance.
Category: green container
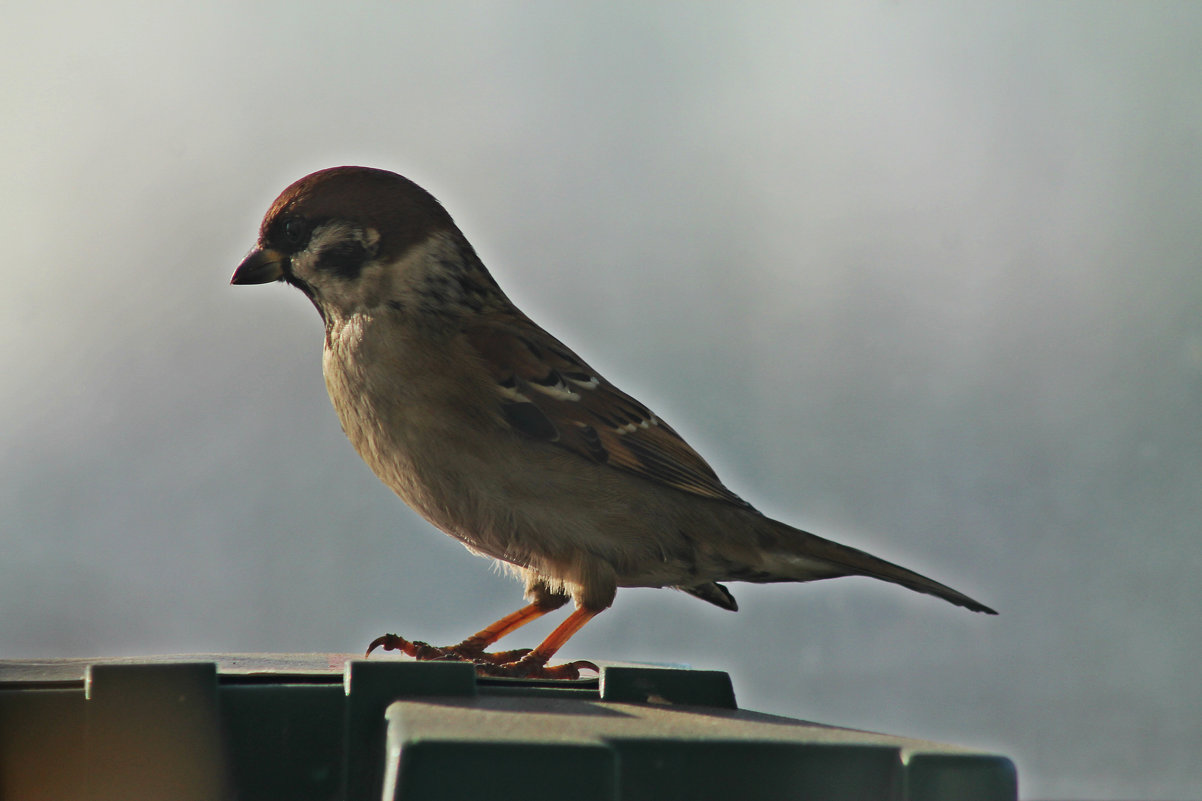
(313, 727)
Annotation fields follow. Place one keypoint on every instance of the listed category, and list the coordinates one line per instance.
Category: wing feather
(547, 392)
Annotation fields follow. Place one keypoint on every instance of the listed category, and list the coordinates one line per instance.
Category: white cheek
(304, 263)
(336, 233)
(331, 234)
(336, 293)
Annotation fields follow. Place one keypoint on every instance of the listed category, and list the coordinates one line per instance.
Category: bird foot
(536, 668)
(517, 664)
(463, 652)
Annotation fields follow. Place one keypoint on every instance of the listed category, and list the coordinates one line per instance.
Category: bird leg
(472, 649)
(533, 665)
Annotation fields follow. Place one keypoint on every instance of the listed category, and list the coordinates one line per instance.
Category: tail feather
(796, 555)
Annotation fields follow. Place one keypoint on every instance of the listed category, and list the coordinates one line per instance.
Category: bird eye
(295, 230)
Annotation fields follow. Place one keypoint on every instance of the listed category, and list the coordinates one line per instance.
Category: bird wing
(547, 392)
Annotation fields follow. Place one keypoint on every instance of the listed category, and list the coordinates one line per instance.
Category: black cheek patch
(345, 259)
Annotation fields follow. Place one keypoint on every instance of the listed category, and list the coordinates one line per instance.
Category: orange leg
(476, 643)
(534, 664)
(472, 649)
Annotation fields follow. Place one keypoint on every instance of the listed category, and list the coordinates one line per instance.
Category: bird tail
(796, 555)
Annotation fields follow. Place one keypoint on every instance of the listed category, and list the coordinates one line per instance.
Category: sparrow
(503, 437)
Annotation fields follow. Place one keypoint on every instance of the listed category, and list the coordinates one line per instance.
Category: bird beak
(262, 266)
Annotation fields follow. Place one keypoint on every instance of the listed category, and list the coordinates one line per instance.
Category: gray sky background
(921, 278)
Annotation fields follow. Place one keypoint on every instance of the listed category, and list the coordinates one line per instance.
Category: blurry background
(923, 279)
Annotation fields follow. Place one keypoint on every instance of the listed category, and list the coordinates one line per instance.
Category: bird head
(352, 239)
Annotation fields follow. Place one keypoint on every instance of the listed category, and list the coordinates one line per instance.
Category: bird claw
(415, 648)
(499, 657)
(532, 669)
(424, 651)
(509, 664)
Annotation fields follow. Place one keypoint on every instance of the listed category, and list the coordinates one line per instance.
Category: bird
(504, 438)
